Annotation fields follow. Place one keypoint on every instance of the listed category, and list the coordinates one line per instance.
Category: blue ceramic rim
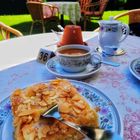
(132, 69)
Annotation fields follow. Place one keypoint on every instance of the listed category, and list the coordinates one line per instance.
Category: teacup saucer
(54, 67)
(118, 52)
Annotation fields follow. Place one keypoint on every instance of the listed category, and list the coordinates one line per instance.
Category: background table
(71, 9)
(115, 82)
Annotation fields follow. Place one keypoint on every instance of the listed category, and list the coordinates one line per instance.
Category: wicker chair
(93, 9)
(133, 20)
(36, 10)
(83, 4)
(7, 31)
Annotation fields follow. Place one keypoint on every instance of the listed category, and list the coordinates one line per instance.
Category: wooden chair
(6, 31)
(94, 9)
(83, 4)
(133, 20)
(36, 10)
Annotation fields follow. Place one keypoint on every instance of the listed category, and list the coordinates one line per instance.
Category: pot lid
(110, 21)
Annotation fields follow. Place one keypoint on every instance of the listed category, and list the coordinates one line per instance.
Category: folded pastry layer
(28, 104)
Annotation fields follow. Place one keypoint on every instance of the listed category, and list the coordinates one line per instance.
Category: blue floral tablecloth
(115, 82)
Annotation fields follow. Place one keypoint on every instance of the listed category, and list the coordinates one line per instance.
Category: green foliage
(108, 14)
(123, 1)
(23, 22)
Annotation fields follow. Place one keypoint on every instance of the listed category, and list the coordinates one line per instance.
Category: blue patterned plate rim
(54, 67)
(132, 67)
(109, 117)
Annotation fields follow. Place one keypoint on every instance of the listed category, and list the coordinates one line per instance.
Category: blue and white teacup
(75, 57)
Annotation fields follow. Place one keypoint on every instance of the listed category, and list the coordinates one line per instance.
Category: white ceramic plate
(109, 118)
(54, 67)
(134, 66)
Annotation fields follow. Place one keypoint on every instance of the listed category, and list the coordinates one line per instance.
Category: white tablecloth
(71, 9)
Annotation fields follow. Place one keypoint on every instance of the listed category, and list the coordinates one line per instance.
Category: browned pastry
(29, 103)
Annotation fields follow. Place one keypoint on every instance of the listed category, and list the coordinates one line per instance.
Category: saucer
(118, 52)
(54, 67)
(134, 67)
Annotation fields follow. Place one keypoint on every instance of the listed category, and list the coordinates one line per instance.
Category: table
(115, 82)
(71, 9)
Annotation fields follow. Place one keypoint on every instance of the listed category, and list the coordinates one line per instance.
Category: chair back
(133, 20)
(36, 10)
(134, 16)
(102, 6)
(83, 4)
(41, 11)
(6, 31)
(95, 9)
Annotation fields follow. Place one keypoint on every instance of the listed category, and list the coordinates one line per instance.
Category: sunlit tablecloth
(122, 87)
(71, 9)
(115, 82)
